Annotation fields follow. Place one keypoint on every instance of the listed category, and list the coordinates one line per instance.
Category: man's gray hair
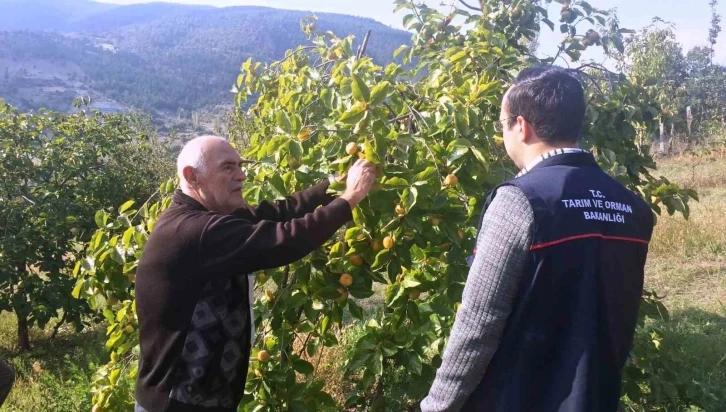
(194, 154)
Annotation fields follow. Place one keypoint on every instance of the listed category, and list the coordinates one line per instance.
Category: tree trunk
(662, 138)
(23, 336)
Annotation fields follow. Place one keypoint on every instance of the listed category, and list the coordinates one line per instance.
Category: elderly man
(551, 302)
(192, 289)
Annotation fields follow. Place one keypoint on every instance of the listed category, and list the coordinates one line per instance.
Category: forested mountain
(159, 57)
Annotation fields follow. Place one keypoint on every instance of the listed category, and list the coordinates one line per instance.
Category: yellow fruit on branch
(305, 133)
(451, 180)
(263, 356)
(351, 149)
(414, 294)
(376, 246)
(356, 260)
(270, 294)
(129, 329)
(345, 280)
(388, 242)
(434, 220)
(400, 210)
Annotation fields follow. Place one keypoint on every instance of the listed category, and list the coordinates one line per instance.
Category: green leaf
(296, 150)
(360, 90)
(126, 206)
(358, 216)
(101, 218)
(359, 359)
(585, 5)
(77, 290)
(410, 283)
(324, 399)
(382, 258)
(413, 313)
(371, 152)
(458, 56)
(380, 92)
(375, 362)
(388, 349)
(353, 115)
(457, 153)
(424, 176)
(399, 50)
(277, 184)
(355, 310)
(413, 363)
(396, 182)
(408, 198)
(394, 294)
(303, 366)
(283, 121)
(549, 23)
(127, 236)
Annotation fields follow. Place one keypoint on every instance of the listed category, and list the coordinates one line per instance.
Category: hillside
(163, 58)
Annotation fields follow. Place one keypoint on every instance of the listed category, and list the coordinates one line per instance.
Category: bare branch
(469, 6)
(362, 48)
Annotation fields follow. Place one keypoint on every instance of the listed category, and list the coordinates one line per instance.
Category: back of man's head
(552, 100)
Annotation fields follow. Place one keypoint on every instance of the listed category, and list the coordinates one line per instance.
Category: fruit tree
(428, 125)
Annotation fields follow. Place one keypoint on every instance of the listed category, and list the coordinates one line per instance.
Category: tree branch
(362, 48)
(469, 6)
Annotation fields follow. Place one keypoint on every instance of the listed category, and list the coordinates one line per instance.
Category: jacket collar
(186, 201)
(577, 157)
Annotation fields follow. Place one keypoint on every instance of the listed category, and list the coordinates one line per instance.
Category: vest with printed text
(572, 325)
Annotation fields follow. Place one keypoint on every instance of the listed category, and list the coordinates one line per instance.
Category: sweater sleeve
(488, 298)
(230, 245)
(292, 207)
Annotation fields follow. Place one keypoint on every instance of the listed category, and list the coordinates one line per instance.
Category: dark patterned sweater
(192, 293)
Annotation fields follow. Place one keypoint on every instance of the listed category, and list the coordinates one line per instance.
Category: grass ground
(56, 374)
(687, 264)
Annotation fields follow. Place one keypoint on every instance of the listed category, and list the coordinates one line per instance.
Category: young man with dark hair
(551, 302)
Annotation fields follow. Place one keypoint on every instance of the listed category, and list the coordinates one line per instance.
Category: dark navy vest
(571, 329)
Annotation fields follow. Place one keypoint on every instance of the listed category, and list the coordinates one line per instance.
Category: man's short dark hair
(552, 100)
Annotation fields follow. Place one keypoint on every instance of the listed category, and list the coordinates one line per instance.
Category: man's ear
(190, 175)
(525, 130)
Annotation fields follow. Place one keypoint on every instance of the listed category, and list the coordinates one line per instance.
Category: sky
(691, 17)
